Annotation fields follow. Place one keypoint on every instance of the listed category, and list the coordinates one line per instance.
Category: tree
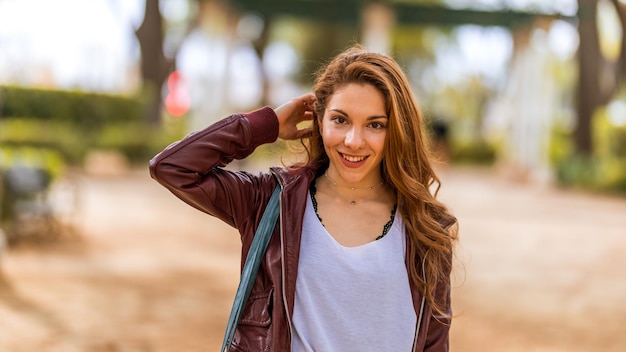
(154, 65)
(599, 78)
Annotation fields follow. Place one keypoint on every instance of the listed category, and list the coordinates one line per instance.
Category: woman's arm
(192, 167)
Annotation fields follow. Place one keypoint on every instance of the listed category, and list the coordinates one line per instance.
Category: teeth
(353, 159)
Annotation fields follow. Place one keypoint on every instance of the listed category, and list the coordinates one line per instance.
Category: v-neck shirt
(352, 298)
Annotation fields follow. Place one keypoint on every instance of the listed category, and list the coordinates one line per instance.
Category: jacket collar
(288, 177)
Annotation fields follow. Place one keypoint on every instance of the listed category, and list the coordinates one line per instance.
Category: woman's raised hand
(292, 113)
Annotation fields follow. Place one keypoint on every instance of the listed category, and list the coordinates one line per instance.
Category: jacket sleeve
(192, 168)
(437, 337)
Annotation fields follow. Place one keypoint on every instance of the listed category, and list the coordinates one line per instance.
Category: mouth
(353, 158)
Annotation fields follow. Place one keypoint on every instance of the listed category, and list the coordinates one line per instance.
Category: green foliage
(607, 175)
(609, 140)
(605, 170)
(322, 43)
(473, 152)
(73, 123)
(610, 152)
(88, 111)
(137, 141)
(49, 159)
(461, 108)
(62, 137)
(576, 170)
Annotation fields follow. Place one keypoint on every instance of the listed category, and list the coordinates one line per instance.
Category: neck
(354, 194)
(351, 187)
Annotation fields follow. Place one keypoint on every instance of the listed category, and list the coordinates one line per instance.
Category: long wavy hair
(406, 167)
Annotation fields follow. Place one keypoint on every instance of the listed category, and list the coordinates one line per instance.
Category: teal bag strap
(251, 267)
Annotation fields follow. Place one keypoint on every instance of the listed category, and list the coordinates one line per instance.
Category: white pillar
(377, 21)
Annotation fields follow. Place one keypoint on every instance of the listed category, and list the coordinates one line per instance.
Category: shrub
(605, 169)
(62, 137)
(474, 152)
(72, 123)
(85, 110)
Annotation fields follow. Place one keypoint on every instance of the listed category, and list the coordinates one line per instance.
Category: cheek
(378, 142)
(331, 136)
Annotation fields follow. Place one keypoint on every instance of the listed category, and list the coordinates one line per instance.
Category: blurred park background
(525, 101)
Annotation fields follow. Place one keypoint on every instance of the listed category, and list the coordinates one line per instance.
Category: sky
(90, 45)
(69, 43)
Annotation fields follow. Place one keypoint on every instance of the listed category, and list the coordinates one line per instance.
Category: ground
(538, 269)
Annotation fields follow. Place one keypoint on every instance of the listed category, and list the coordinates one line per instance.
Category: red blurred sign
(177, 101)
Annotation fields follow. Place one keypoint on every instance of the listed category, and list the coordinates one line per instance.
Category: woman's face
(353, 128)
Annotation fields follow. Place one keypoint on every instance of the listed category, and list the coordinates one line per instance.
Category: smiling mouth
(353, 159)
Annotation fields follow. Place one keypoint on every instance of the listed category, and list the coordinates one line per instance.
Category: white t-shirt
(352, 298)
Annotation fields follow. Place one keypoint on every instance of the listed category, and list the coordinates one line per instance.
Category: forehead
(358, 99)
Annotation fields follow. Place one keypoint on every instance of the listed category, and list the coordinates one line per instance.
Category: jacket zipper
(282, 263)
(419, 323)
(422, 306)
(284, 293)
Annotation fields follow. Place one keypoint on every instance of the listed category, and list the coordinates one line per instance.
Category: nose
(354, 138)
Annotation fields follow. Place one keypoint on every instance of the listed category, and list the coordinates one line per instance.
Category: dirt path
(542, 272)
(543, 267)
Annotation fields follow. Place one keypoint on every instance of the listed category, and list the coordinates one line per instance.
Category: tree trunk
(593, 66)
(260, 44)
(620, 8)
(154, 66)
(589, 61)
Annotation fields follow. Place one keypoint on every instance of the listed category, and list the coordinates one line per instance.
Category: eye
(340, 120)
(377, 125)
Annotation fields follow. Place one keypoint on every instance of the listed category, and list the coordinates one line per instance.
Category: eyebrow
(374, 117)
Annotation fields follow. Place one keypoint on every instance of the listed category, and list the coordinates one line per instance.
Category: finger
(309, 97)
(308, 100)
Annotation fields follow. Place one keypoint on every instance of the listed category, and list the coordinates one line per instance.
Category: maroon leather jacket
(191, 169)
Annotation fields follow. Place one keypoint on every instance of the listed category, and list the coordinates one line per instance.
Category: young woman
(361, 258)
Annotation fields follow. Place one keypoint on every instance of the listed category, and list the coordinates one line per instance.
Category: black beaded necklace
(313, 191)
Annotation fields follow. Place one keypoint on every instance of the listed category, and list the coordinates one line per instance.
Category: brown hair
(406, 167)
